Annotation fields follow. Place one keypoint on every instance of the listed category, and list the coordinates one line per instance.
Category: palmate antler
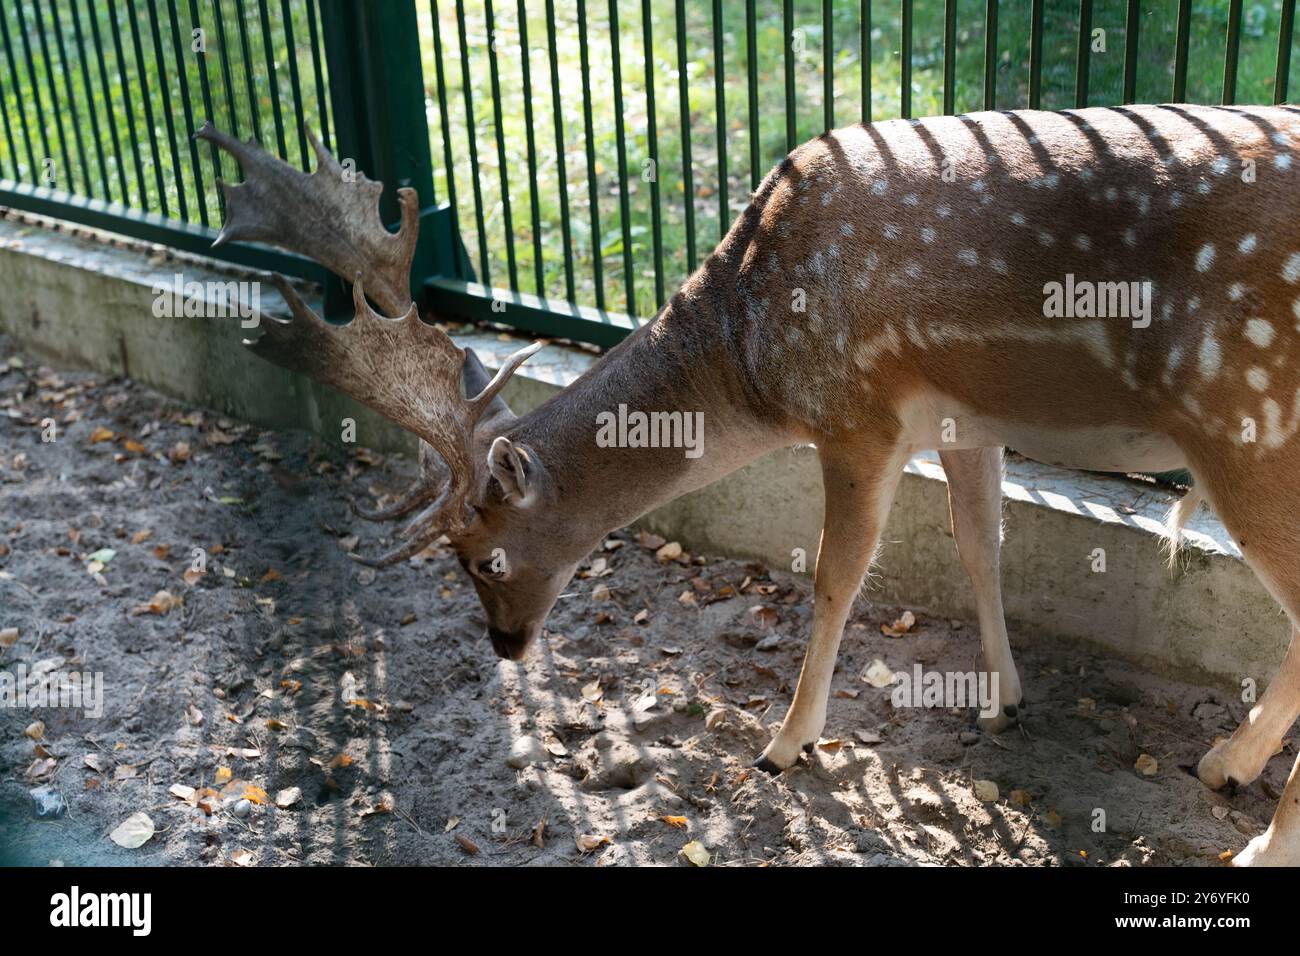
(403, 368)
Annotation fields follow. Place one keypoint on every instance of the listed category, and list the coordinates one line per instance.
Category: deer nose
(508, 646)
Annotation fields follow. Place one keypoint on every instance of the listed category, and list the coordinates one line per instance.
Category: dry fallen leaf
(695, 852)
(288, 797)
(986, 790)
(901, 626)
(1146, 765)
(182, 792)
(224, 775)
(878, 674)
(669, 552)
(134, 832)
(161, 603)
(8, 636)
(35, 730)
(466, 844)
(140, 537)
(1019, 798)
(100, 434)
(243, 858)
(678, 822)
(94, 762)
(588, 842)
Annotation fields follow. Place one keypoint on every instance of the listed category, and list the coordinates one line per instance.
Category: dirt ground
(625, 736)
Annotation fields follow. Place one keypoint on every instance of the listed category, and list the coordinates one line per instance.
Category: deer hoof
(767, 766)
(1226, 766)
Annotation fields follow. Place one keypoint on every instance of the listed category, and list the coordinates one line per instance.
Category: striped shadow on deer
(890, 288)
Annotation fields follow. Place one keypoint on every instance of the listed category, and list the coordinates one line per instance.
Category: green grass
(131, 171)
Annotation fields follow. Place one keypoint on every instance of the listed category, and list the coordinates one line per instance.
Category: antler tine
(417, 495)
(331, 216)
(480, 402)
(404, 551)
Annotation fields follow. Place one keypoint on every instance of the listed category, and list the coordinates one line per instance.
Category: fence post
(376, 88)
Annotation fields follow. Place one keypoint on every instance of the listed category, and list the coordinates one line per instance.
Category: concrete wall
(79, 301)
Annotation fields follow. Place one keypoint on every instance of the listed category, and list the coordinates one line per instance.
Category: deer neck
(675, 382)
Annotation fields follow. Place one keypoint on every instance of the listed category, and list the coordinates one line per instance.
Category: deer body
(1104, 289)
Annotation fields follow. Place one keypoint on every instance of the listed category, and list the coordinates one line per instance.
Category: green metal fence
(577, 158)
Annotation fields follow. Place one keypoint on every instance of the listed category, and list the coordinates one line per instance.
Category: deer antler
(403, 368)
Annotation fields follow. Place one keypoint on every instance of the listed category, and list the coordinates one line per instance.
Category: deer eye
(491, 569)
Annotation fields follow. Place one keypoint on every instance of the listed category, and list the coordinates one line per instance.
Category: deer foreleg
(859, 484)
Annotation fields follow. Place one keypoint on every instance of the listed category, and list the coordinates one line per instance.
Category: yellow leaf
(695, 852)
(224, 774)
(678, 822)
(101, 434)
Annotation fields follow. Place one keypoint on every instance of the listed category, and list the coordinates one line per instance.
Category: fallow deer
(924, 254)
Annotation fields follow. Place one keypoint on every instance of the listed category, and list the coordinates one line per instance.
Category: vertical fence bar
(46, 152)
(9, 135)
(1231, 53)
(652, 136)
(66, 64)
(534, 201)
(864, 43)
(720, 98)
(147, 101)
(620, 146)
(787, 22)
(471, 130)
(17, 85)
(167, 109)
(751, 71)
(684, 101)
(79, 37)
(949, 57)
(226, 79)
(561, 165)
(295, 82)
(1035, 54)
(205, 87)
(494, 78)
(318, 77)
(443, 114)
(55, 106)
(274, 84)
(593, 191)
(828, 64)
(1131, 26)
(1181, 42)
(1282, 78)
(991, 54)
(905, 51)
(195, 167)
(246, 54)
(377, 95)
(130, 112)
(1083, 58)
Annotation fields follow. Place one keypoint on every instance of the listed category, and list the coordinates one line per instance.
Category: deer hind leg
(859, 483)
(1265, 523)
(975, 502)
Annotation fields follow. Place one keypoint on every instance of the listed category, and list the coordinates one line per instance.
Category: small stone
(968, 737)
(525, 751)
(769, 643)
(243, 808)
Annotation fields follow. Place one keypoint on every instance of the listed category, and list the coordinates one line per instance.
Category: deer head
(488, 494)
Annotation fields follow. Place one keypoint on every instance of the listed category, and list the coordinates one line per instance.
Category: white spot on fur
(1205, 257)
(927, 235)
(1210, 356)
(1257, 378)
(1018, 218)
(1083, 242)
(1236, 291)
(1260, 332)
(890, 231)
(968, 257)
(1291, 268)
(1247, 244)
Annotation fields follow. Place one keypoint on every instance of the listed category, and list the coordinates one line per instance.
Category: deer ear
(509, 465)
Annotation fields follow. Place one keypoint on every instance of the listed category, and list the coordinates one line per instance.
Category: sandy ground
(625, 736)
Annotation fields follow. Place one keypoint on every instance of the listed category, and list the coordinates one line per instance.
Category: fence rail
(576, 158)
